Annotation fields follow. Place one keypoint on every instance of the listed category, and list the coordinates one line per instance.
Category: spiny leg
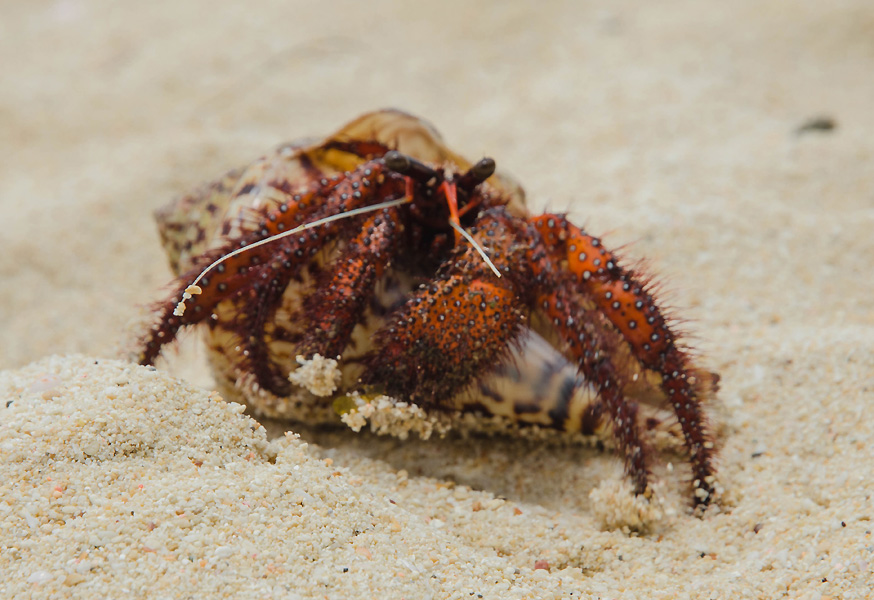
(514, 246)
(622, 296)
(456, 328)
(254, 357)
(266, 293)
(341, 295)
(591, 348)
(447, 333)
(443, 337)
(286, 256)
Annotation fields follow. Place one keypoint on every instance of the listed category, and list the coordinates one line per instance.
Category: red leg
(331, 311)
(448, 332)
(622, 296)
(455, 329)
(590, 345)
(444, 337)
(269, 267)
(342, 294)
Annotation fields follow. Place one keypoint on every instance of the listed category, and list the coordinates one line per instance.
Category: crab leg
(590, 347)
(274, 263)
(552, 293)
(339, 299)
(333, 309)
(444, 336)
(451, 332)
(448, 332)
(623, 298)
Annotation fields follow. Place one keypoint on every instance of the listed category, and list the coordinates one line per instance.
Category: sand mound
(119, 480)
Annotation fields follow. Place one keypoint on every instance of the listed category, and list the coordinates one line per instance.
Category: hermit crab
(423, 277)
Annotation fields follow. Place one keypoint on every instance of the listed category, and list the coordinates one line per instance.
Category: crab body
(428, 280)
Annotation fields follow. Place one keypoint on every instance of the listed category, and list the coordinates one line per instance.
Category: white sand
(672, 126)
(142, 485)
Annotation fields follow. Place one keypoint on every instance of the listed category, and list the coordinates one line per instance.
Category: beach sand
(730, 144)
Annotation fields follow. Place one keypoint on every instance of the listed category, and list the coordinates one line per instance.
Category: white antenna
(476, 245)
(194, 289)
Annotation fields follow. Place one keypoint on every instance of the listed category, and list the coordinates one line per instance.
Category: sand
(675, 128)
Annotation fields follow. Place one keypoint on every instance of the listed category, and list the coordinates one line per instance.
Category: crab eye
(397, 162)
(484, 169)
(475, 175)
